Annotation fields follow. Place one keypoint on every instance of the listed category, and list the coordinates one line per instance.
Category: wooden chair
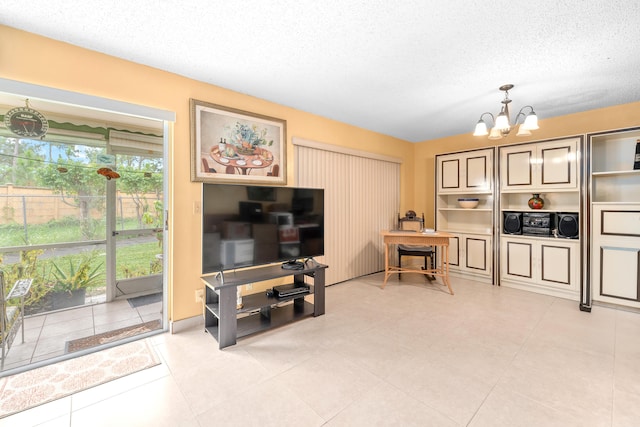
(206, 167)
(412, 222)
(275, 170)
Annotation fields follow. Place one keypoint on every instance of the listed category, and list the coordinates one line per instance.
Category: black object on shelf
(283, 291)
(293, 265)
(636, 163)
(512, 222)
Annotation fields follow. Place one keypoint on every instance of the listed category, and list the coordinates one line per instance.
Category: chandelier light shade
(502, 124)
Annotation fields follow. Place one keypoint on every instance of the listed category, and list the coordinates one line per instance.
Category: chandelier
(502, 122)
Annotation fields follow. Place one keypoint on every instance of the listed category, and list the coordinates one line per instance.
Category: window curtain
(362, 197)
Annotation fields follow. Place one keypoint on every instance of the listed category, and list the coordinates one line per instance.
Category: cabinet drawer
(620, 223)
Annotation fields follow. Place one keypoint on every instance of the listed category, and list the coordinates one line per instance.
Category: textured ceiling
(416, 70)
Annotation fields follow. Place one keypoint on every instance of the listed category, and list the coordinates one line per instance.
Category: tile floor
(47, 334)
(410, 354)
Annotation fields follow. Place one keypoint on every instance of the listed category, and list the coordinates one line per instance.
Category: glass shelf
(616, 173)
(457, 230)
(465, 210)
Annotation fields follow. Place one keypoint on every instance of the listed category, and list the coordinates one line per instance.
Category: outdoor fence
(31, 205)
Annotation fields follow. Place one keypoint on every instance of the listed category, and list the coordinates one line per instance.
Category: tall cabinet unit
(540, 249)
(467, 175)
(613, 202)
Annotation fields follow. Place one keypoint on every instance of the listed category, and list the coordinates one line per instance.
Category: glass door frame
(28, 90)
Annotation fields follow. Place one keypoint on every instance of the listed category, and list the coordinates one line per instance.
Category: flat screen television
(245, 225)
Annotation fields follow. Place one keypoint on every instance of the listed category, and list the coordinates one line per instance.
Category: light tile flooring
(410, 354)
(46, 335)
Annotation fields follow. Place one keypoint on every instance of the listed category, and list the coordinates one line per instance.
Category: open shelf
(465, 210)
(280, 315)
(554, 201)
(617, 173)
(485, 232)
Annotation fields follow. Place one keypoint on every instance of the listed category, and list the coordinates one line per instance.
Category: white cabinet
(547, 265)
(615, 254)
(537, 257)
(466, 172)
(614, 204)
(471, 254)
(539, 166)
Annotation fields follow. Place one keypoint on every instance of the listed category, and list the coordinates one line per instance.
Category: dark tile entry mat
(144, 300)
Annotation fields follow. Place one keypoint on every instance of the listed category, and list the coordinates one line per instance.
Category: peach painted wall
(616, 117)
(34, 59)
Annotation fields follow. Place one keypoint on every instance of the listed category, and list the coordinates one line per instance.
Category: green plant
(154, 218)
(80, 276)
(28, 267)
(155, 266)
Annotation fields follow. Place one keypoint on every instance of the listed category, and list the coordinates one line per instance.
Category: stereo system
(558, 224)
(512, 222)
(568, 225)
(537, 223)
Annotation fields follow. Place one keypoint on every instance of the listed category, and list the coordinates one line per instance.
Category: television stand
(226, 323)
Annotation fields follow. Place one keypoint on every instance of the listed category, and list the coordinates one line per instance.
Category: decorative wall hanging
(26, 122)
(230, 145)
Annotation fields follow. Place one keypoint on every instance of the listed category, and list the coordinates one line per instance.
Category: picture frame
(231, 145)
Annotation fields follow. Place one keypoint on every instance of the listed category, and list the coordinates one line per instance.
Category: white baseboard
(185, 324)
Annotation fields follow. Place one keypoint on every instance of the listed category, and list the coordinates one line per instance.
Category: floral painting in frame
(230, 145)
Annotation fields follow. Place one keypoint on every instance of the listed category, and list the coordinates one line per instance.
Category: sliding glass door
(136, 234)
(82, 213)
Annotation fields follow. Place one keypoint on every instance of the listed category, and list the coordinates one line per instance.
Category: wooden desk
(437, 239)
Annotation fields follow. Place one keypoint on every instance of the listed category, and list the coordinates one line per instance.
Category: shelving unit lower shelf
(226, 323)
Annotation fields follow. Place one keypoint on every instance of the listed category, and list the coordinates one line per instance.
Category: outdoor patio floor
(47, 334)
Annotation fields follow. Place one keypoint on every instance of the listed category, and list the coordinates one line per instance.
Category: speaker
(512, 222)
(568, 225)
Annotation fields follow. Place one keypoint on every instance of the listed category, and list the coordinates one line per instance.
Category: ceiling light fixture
(502, 123)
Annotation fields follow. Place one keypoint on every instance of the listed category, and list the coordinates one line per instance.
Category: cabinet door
(449, 173)
(477, 171)
(619, 270)
(454, 252)
(517, 167)
(550, 262)
(477, 254)
(558, 264)
(556, 163)
(539, 166)
(615, 255)
(470, 254)
(468, 172)
(517, 260)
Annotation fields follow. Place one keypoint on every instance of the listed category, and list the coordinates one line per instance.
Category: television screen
(247, 225)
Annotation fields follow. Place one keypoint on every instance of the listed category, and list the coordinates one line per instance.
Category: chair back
(411, 221)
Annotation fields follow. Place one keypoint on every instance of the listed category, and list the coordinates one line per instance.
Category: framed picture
(230, 145)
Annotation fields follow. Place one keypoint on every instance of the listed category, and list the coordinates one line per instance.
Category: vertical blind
(362, 197)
